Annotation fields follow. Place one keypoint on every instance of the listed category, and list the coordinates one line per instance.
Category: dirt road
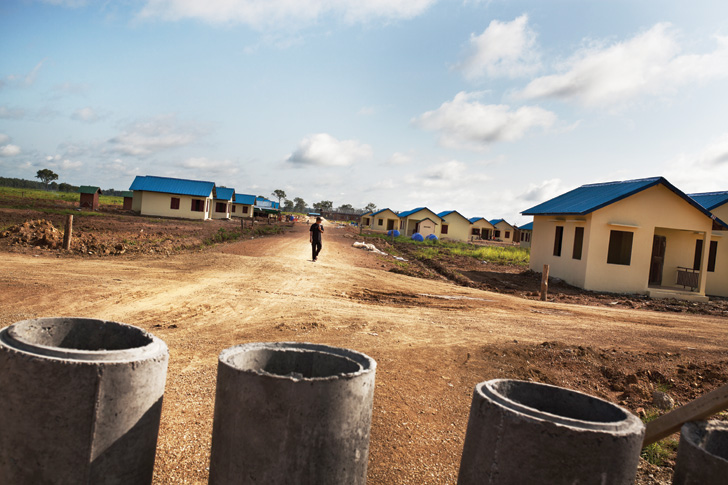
(433, 341)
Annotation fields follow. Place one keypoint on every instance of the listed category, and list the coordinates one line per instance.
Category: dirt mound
(35, 233)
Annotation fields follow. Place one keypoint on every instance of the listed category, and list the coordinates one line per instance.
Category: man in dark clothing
(316, 230)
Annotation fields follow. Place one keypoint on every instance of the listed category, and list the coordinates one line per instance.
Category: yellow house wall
(679, 251)
(458, 229)
(239, 211)
(158, 204)
(381, 221)
(717, 283)
(407, 225)
(483, 224)
(220, 215)
(654, 207)
(504, 227)
(565, 267)
(136, 200)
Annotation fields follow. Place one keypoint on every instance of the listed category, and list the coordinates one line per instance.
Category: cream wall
(407, 225)
(656, 207)
(679, 251)
(483, 224)
(136, 200)
(239, 211)
(458, 228)
(504, 227)
(220, 215)
(565, 267)
(525, 241)
(158, 204)
(384, 218)
(718, 280)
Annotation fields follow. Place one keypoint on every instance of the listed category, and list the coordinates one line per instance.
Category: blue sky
(485, 107)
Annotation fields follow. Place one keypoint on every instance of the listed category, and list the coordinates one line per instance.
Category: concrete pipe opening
(81, 401)
(521, 432)
(702, 455)
(292, 413)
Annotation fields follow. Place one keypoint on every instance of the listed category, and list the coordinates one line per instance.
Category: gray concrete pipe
(80, 402)
(292, 413)
(525, 432)
(702, 455)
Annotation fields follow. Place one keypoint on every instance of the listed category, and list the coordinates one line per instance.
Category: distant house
(454, 226)
(384, 220)
(222, 203)
(365, 220)
(265, 208)
(89, 197)
(421, 220)
(481, 228)
(242, 205)
(717, 283)
(502, 230)
(128, 196)
(525, 232)
(633, 236)
(172, 197)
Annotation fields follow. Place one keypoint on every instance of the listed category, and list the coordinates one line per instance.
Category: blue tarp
(393, 232)
(418, 237)
(432, 237)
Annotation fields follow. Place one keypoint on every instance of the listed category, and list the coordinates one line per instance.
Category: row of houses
(193, 199)
(447, 225)
(636, 236)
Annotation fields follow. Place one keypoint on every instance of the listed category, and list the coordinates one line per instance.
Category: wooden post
(545, 282)
(67, 232)
(242, 223)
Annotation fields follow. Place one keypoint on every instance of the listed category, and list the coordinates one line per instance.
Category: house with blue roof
(481, 228)
(632, 236)
(242, 206)
(223, 202)
(717, 204)
(454, 226)
(365, 220)
(172, 197)
(421, 220)
(525, 233)
(502, 230)
(382, 220)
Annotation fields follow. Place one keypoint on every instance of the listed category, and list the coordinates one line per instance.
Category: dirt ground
(433, 340)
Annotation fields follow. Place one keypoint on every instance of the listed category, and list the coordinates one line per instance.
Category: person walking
(317, 229)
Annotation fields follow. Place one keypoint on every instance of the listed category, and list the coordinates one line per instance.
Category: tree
(371, 207)
(346, 208)
(288, 206)
(324, 205)
(299, 205)
(281, 194)
(46, 176)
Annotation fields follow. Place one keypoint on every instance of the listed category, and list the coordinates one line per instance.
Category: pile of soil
(35, 233)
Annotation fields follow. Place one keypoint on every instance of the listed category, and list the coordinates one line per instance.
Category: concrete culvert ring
(702, 455)
(527, 432)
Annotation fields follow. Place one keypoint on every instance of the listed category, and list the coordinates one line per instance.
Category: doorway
(659, 243)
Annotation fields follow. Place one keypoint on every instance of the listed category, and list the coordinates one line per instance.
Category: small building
(265, 208)
(365, 220)
(222, 203)
(717, 282)
(384, 220)
(421, 220)
(633, 236)
(242, 205)
(454, 226)
(481, 228)
(128, 196)
(89, 197)
(172, 197)
(524, 235)
(502, 231)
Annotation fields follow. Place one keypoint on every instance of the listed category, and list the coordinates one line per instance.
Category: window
(699, 255)
(620, 248)
(508, 234)
(380, 222)
(175, 203)
(197, 205)
(220, 207)
(475, 232)
(558, 239)
(234, 208)
(245, 209)
(496, 233)
(444, 229)
(578, 242)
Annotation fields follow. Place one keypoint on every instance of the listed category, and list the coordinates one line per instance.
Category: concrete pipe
(524, 432)
(702, 455)
(80, 402)
(292, 413)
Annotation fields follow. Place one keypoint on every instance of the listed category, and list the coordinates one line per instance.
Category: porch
(677, 265)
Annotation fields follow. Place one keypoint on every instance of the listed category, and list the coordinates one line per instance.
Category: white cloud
(650, 63)
(452, 174)
(398, 158)
(11, 113)
(4, 138)
(282, 14)
(146, 137)
(701, 172)
(208, 165)
(467, 123)
(87, 115)
(323, 149)
(9, 150)
(541, 192)
(503, 49)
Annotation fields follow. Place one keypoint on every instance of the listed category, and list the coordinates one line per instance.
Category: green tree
(281, 194)
(371, 207)
(46, 176)
(346, 208)
(299, 205)
(324, 205)
(288, 206)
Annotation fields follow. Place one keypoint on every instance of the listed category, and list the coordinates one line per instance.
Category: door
(659, 243)
(390, 224)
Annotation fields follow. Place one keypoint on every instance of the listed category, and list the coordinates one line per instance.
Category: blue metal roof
(224, 193)
(710, 200)
(527, 227)
(244, 199)
(473, 220)
(414, 211)
(493, 222)
(588, 198)
(167, 185)
(442, 215)
(380, 211)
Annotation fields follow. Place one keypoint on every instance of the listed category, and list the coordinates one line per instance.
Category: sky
(485, 107)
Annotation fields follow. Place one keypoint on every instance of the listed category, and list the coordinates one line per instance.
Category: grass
(662, 452)
(12, 192)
